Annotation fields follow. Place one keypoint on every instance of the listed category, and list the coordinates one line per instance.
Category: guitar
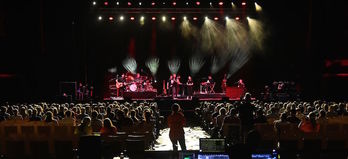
(119, 84)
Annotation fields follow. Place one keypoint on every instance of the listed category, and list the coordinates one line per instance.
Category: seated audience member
(260, 117)
(147, 125)
(85, 127)
(220, 118)
(16, 115)
(309, 125)
(322, 119)
(35, 116)
(108, 129)
(124, 122)
(50, 119)
(3, 114)
(68, 120)
(282, 120)
(232, 118)
(134, 117)
(292, 117)
(96, 123)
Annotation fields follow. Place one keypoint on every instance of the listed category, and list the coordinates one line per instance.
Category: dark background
(44, 42)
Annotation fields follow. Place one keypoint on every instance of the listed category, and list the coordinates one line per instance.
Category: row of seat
(330, 136)
(40, 140)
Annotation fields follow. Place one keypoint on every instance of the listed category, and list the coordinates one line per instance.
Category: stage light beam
(164, 18)
(258, 7)
(130, 65)
(153, 65)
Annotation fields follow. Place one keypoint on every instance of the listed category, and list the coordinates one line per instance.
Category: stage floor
(196, 96)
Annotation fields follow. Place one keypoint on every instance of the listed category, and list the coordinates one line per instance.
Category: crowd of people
(309, 116)
(102, 118)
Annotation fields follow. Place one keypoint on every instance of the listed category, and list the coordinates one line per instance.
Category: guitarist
(120, 83)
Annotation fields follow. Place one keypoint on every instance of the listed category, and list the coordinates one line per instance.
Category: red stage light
(132, 18)
(106, 3)
(216, 18)
(221, 3)
(243, 3)
(195, 18)
(174, 3)
(198, 3)
(111, 18)
(153, 3)
(129, 3)
(173, 18)
(153, 18)
(237, 18)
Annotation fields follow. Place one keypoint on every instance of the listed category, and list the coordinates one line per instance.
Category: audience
(108, 129)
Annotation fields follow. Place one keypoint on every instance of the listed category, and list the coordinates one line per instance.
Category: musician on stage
(189, 85)
(241, 83)
(120, 83)
(178, 85)
(224, 84)
(173, 85)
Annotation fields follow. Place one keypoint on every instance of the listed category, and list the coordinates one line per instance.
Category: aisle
(192, 136)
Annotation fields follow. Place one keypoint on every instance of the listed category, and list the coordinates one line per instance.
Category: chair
(111, 146)
(63, 149)
(268, 135)
(90, 147)
(135, 148)
(289, 137)
(231, 132)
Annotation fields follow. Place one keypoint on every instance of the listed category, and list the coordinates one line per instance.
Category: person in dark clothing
(246, 115)
(260, 118)
(176, 123)
(292, 117)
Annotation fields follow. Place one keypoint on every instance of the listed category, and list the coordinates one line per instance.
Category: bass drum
(133, 87)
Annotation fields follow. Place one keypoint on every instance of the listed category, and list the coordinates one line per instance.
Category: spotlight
(221, 3)
(140, 3)
(111, 18)
(248, 17)
(198, 3)
(243, 3)
(185, 18)
(174, 3)
(132, 18)
(153, 3)
(237, 18)
(117, 3)
(100, 18)
(94, 3)
(210, 3)
(194, 18)
(187, 3)
(153, 18)
(173, 18)
(164, 18)
(206, 17)
(164, 3)
(129, 3)
(226, 18)
(121, 18)
(106, 3)
(142, 18)
(216, 18)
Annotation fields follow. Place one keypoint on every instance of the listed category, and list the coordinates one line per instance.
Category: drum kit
(138, 84)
